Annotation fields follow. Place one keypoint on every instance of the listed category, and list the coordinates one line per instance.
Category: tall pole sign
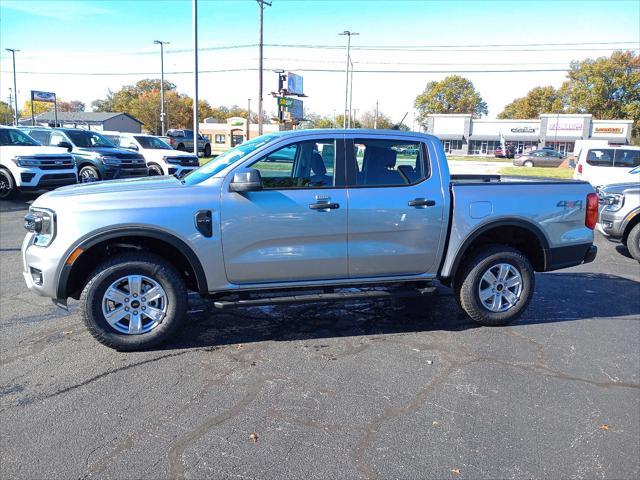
(48, 97)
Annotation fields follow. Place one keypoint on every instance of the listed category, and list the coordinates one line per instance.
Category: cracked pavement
(405, 388)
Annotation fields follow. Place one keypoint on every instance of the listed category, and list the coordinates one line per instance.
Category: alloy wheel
(500, 287)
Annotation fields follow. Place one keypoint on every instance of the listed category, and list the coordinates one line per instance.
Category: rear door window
(600, 157)
(625, 158)
(387, 163)
(41, 135)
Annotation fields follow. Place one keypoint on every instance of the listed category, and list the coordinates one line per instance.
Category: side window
(56, 138)
(625, 158)
(299, 165)
(41, 136)
(389, 162)
(600, 157)
(220, 138)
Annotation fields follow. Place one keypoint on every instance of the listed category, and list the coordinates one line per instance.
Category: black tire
(7, 185)
(528, 164)
(207, 150)
(155, 170)
(151, 266)
(633, 242)
(181, 147)
(470, 278)
(88, 174)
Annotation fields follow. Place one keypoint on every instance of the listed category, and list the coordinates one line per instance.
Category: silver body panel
(271, 239)
(614, 223)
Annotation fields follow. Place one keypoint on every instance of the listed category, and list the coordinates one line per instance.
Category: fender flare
(94, 238)
(530, 226)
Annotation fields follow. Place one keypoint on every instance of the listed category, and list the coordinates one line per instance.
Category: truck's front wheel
(496, 286)
(134, 302)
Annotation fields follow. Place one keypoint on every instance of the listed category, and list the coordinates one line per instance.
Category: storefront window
(220, 139)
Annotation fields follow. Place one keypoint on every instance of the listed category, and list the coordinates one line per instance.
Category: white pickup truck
(26, 165)
(302, 216)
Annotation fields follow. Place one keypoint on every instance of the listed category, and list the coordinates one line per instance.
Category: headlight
(171, 159)
(26, 162)
(42, 222)
(613, 201)
(110, 160)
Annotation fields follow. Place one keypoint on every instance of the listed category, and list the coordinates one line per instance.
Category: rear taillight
(580, 168)
(170, 140)
(591, 217)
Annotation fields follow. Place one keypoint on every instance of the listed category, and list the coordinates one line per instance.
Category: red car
(508, 153)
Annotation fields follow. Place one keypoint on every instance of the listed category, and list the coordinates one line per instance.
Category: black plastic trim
(569, 256)
(107, 234)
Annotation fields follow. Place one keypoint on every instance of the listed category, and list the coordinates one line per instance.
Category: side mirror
(248, 180)
(66, 145)
(133, 147)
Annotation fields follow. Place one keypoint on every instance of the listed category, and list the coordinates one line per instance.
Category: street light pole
(196, 136)
(346, 90)
(350, 92)
(261, 4)
(15, 88)
(162, 114)
(248, 118)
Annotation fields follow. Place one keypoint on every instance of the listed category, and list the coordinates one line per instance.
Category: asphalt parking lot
(365, 389)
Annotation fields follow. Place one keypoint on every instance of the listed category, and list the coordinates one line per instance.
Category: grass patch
(478, 159)
(566, 173)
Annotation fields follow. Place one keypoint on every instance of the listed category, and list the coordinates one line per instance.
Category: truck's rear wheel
(134, 302)
(7, 185)
(633, 242)
(496, 286)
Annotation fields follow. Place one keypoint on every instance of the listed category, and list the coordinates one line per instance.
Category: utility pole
(15, 88)
(196, 136)
(6, 120)
(162, 114)
(375, 121)
(350, 92)
(261, 3)
(248, 118)
(346, 89)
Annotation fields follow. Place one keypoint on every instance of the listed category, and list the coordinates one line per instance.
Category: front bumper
(611, 224)
(40, 259)
(37, 179)
(114, 173)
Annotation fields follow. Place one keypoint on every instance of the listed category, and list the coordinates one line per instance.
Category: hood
(621, 187)
(110, 186)
(24, 150)
(108, 151)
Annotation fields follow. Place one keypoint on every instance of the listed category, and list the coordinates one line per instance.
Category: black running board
(323, 297)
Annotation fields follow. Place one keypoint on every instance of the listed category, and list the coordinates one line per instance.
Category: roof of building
(82, 117)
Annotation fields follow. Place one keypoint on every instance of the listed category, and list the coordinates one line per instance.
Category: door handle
(324, 206)
(421, 203)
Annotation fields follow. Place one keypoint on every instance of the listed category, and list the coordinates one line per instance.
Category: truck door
(295, 228)
(396, 207)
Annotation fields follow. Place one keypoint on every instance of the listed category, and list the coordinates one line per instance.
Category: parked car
(539, 158)
(160, 157)
(26, 165)
(183, 140)
(620, 213)
(508, 152)
(607, 165)
(96, 157)
(244, 230)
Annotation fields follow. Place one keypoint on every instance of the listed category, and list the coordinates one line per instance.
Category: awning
(521, 137)
(449, 136)
(617, 140)
(562, 138)
(485, 137)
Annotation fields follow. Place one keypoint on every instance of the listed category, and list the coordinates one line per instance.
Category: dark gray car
(183, 140)
(539, 158)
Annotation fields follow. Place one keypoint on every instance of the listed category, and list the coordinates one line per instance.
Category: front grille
(60, 163)
(57, 179)
(185, 161)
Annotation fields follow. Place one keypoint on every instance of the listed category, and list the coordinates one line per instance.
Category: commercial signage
(609, 130)
(523, 130)
(43, 96)
(294, 84)
(285, 102)
(566, 126)
(296, 110)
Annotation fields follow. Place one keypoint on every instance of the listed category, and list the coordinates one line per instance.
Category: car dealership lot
(369, 389)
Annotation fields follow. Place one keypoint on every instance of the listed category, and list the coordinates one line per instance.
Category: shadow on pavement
(19, 202)
(559, 297)
(624, 251)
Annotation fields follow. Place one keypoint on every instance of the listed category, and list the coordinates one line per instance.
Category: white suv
(27, 165)
(161, 158)
(606, 165)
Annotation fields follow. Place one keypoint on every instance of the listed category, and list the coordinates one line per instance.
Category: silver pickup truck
(303, 216)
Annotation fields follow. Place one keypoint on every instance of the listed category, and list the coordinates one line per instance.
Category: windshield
(226, 159)
(152, 142)
(13, 137)
(87, 139)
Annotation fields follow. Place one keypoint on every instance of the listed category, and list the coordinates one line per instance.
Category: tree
(38, 108)
(607, 87)
(454, 94)
(368, 120)
(6, 113)
(71, 106)
(537, 101)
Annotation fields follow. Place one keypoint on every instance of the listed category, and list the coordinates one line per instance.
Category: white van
(161, 158)
(606, 165)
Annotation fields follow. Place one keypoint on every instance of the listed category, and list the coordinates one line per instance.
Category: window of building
(220, 138)
(237, 140)
(450, 145)
(299, 165)
(486, 147)
(388, 162)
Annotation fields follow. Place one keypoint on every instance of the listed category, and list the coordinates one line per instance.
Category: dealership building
(463, 135)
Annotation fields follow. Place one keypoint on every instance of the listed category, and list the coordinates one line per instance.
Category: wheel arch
(631, 221)
(523, 235)
(75, 271)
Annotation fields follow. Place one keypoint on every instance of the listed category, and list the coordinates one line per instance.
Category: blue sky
(116, 36)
